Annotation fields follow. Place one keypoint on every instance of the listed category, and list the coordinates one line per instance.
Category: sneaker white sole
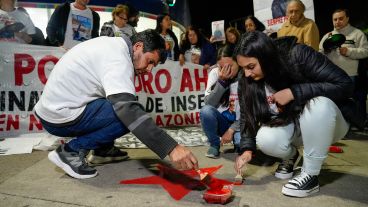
(284, 176)
(212, 156)
(54, 158)
(93, 159)
(299, 193)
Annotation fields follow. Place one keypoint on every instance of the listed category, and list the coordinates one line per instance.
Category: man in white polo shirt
(90, 95)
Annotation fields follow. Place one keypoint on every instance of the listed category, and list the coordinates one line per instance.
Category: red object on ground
(335, 149)
(222, 195)
(179, 183)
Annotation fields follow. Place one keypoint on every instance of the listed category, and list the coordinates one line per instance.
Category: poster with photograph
(218, 31)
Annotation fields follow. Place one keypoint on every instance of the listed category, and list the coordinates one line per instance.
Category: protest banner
(172, 94)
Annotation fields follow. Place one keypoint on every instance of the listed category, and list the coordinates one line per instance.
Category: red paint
(217, 195)
(335, 149)
(179, 183)
(238, 182)
(176, 190)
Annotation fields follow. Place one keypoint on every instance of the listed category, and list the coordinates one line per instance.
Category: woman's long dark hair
(185, 44)
(158, 28)
(278, 74)
(259, 25)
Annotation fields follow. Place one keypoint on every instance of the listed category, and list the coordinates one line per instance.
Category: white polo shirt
(91, 70)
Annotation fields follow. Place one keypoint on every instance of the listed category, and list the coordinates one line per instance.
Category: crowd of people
(267, 93)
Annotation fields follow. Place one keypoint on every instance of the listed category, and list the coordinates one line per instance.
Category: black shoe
(285, 169)
(302, 185)
(73, 163)
(236, 148)
(106, 155)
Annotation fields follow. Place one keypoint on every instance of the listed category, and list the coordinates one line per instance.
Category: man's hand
(183, 158)
(242, 160)
(343, 51)
(227, 136)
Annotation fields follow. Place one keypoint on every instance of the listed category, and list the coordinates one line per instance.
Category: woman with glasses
(118, 25)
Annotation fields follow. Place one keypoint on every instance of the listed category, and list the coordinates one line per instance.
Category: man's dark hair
(342, 10)
(133, 12)
(151, 41)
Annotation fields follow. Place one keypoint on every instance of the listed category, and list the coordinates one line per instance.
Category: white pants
(321, 124)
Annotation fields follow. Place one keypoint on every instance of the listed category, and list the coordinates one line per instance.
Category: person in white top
(90, 95)
(15, 24)
(164, 26)
(349, 54)
(220, 115)
(72, 23)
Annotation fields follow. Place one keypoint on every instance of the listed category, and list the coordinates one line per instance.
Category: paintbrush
(238, 180)
(204, 177)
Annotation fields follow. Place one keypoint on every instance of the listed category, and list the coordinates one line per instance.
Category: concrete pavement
(32, 180)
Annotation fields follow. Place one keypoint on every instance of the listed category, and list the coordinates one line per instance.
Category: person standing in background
(15, 23)
(118, 25)
(299, 26)
(72, 23)
(163, 27)
(348, 55)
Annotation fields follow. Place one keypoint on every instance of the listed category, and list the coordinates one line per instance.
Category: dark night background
(204, 12)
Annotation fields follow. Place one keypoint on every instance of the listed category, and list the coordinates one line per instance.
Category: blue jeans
(99, 126)
(214, 125)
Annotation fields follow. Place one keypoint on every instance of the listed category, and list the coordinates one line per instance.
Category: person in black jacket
(291, 95)
(68, 30)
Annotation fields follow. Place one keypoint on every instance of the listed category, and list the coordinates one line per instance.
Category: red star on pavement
(180, 183)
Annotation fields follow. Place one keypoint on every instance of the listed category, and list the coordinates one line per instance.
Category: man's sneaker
(213, 152)
(106, 155)
(236, 148)
(285, 169)
(73, 163)
(302, 185)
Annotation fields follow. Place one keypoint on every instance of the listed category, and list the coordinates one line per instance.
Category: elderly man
(299, 26)
(348, 55)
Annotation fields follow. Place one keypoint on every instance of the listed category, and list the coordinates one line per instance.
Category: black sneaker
(302, 185)
(106, 155)
(285, 169)
(73, 163)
